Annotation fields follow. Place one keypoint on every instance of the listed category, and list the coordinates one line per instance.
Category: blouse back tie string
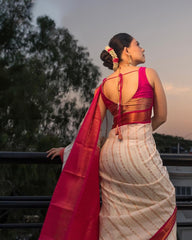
(120, 86)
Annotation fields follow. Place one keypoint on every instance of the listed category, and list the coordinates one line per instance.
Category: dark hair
(117, 42)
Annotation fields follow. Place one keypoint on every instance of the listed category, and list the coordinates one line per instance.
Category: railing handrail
(181, 159)
(48, 198)
(183, 202)
(25, 198)
(39, 225)
(169, 159)
(27, 158)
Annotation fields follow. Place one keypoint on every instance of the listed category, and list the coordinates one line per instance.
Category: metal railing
(20, 202)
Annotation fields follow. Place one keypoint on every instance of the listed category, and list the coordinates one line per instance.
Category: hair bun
(107, 59)
(116, 44)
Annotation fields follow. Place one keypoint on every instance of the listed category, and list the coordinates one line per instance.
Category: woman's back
(130, 86)
(129, 97)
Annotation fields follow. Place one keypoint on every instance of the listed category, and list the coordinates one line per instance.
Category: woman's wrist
(61, 154)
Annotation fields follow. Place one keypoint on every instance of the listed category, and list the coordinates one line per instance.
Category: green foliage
(169, 144)
(15, 17)
(39, 67)
(46, 83)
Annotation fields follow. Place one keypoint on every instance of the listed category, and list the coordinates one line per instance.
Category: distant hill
(170, 144)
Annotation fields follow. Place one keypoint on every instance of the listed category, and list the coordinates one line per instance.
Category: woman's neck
(125, 67)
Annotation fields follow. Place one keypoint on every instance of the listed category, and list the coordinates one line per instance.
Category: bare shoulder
(108, 79)
(96, 90)
(113, 75)
(152, 76)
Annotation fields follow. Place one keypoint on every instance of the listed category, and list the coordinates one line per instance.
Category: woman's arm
(160, 103)
(64, 152)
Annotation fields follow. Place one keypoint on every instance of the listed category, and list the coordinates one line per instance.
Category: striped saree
(138, 199)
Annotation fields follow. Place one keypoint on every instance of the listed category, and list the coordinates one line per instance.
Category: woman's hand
(54, 152)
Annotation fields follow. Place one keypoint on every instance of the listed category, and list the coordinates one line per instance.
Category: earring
(130, 60)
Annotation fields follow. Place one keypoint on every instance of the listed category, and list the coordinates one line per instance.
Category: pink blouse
(138, 109)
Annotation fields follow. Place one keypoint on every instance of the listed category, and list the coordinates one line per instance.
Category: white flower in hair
(114, 57)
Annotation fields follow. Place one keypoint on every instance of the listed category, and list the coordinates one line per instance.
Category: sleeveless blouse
(138, 109)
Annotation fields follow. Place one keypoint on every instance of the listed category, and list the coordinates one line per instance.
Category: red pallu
(73, 212)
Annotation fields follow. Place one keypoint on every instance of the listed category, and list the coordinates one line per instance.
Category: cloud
(176, 90)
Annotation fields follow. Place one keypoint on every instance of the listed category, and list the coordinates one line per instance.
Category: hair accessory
(115, 59)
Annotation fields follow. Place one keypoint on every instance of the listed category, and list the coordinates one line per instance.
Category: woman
(138, 199)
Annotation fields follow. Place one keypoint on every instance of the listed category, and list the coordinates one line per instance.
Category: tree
(40, 60)
(15, 21)
(46, 83)
(68, 69)
(169, 144)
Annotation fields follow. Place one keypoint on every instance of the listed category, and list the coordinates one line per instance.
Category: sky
(163, 28)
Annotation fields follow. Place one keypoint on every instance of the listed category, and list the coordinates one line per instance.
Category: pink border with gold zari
(165, 230)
